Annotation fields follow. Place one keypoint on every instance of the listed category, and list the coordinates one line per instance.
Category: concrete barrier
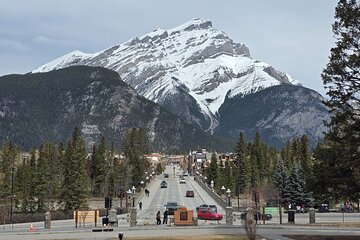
(213, 194)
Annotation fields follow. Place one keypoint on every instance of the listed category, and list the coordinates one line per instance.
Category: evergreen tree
(75, 186)
(304, 156)
(294, 152)
(135, 147)
(329, 179)
(99, 169)
(227, 176)
(286, 155)
(42, 178)
(241, 172)
(296, 193)
(212, 170)
(21, 187)
(31, 181)
(221, 179)
(7, 170)
(257, 162)
(281, 180)
(341, 78)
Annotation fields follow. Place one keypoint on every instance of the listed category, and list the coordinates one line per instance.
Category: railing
(211, 193)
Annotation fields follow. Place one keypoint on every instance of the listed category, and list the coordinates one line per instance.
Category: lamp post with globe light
(133, 195)
(223, 192)
(229, 196)
(229, 209)
(131, 192)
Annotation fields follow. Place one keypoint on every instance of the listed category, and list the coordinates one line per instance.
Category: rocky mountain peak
(194, 62)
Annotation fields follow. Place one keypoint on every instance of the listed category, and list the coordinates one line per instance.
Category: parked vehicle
(207, 206)
(257, 216)
(189, 193)
(171, 207)
(163, 184)
(209, 214)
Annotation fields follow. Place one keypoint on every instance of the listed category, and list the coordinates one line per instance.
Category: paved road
(175, 192)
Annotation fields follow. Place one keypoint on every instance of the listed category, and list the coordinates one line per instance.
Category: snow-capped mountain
(190, 69)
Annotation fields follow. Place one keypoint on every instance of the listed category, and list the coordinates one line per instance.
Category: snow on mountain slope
(193, 59)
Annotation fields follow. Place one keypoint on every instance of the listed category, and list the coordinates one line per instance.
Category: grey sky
(293, 36)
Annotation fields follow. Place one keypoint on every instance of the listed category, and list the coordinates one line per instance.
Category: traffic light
(108, 202)
(255, 197)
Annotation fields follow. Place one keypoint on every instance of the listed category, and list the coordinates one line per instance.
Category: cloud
(12, 45)
(42, 40)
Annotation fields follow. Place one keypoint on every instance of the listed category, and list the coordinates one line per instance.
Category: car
(209, 214)
(163, 184)
(166, 175)
(182, 181)
(207, 206)
(171, 207)
(257, 215)
(189, 193)
(185, 174)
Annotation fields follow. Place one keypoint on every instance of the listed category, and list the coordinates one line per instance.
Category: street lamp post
(229, 196)
(223, 192)
(133, 195)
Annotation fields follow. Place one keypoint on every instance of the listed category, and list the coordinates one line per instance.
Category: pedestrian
(158, 218)
(165, 216)
(140, 205)
(147, 193)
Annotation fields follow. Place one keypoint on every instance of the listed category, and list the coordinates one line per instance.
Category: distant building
(154, 158)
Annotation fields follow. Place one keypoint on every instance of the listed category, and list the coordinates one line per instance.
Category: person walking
(158, 218)
(165, 216)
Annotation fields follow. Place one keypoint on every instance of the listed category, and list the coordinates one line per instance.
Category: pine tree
(281, 180)
(31, 181)
(227, 176)
(305, 158)
(257, 162)
(7, 163)
(42, 178)
(75, 186)
(99, 169)
(341, 78)
(241, 172)
(296, 193)
(329, 180)
(135, 147)
(212, 170)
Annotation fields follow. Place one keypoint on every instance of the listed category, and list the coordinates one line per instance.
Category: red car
(209, 214)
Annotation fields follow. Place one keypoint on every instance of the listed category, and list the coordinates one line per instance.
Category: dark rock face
(40, 107)
(278, 113)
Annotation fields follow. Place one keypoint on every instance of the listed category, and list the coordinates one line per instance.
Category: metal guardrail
(212, 194)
